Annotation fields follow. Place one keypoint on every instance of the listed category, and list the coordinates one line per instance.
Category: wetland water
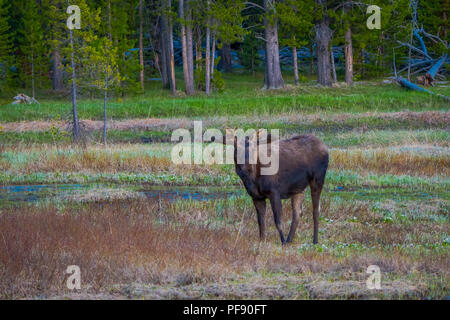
(33, 193)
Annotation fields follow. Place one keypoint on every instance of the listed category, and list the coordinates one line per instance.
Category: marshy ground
(141, 227)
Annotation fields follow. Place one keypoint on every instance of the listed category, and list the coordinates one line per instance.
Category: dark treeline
(122, 43)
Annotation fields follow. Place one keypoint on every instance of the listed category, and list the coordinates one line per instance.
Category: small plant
(217, 81)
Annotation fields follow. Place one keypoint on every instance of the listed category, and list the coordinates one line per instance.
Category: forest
(127, 43)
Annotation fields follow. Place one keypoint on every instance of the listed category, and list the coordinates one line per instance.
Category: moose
(303, 161)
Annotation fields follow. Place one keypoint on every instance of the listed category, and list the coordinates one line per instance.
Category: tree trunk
(444, 19)
(141, 45)
(226, 58)
(323, 39)
(76, 126)
(184, 49)
(363, 64)
(253, 63)
(57, 80)
(32, 75)
(348, 57)
(295, 65)
(207, 57)
(409, 54)
(198, 51)
(167, 49)
(213, 55)
(272, 77)
(333, 66)
(173, 87)
(163, 50)
(109, 21)
(105, 101)
(190, 49)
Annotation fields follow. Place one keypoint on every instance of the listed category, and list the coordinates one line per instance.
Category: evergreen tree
(32, 46)
(295, 26)
(249, 55)
(6, 59)
(55, 36)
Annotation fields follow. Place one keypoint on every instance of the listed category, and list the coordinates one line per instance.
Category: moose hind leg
(297, 201)
(260, 206)
(275, 202)
(316, 189)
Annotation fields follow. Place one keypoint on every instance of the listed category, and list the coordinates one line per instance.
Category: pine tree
(32, 45)
(55, 36)
(249, 55)
(6, 59)
(295, 26)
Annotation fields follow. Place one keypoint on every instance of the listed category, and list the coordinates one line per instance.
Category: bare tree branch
(253, 5)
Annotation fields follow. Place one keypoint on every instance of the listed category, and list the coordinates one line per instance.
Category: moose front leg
(260, 206)
(275, 202)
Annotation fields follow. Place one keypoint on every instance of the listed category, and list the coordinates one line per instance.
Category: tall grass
(156, 243)
(155, 159)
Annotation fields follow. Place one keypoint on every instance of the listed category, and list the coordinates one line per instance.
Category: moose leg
(297, 201)
(275, 202)
(315, 195)
(260, 206)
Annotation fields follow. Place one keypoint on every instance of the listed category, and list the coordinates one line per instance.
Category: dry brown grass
(112, 243)
(431, 118)
(387, 161)
(120, 158)
(156, 243)
(141, 159)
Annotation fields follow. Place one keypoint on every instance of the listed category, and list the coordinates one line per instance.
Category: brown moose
(303, 161)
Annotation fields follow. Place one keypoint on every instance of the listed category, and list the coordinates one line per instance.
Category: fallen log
(435, 68)
(24, 99)
(422, 43)
(415, 49)
(412, 86)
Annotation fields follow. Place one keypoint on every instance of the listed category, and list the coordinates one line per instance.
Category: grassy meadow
(386, 200)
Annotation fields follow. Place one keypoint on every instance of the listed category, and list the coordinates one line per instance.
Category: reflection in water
(32, 193)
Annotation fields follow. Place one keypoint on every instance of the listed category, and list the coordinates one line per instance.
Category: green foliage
(217, 81)
(248, 55)
(227, 20)
(32, 31)
(5, 46)
(295, 22)
(32, 45)
(372, 49)
(433, 17)
(123, 40)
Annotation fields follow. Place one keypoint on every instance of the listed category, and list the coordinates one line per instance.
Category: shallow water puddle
(96, 192)
(31, 193)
